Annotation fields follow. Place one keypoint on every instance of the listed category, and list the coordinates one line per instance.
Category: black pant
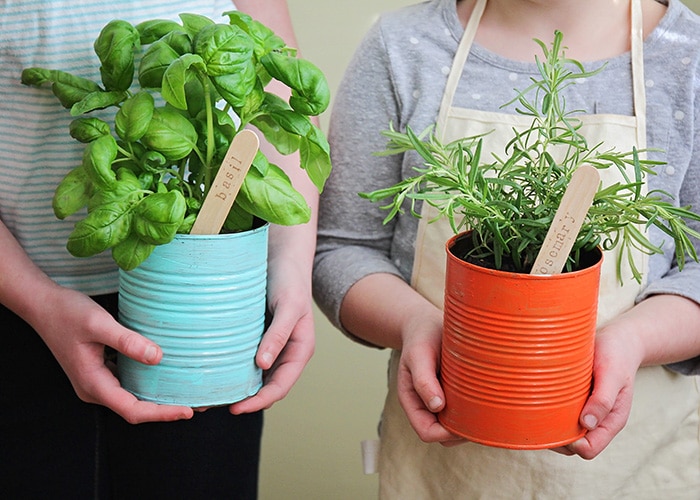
(52, 445)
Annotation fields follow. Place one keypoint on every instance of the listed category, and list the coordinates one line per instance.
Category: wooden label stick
(227, 183)
(567, 222)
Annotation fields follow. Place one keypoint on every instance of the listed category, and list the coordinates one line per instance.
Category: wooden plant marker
(568, 220)
(227, 183)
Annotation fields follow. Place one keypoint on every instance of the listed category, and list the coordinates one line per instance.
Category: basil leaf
(68, 88)
(72, 193)
(132, 120)
(310, 93)
(88, 129)
(155, 29)
(103, 228)
(272, 198)
(170, 133)
(315, 157)
(97, 161)
(131, 252)
(98, 100)
(175, 78)
(158, 216)
(115, 47)
(159, 56)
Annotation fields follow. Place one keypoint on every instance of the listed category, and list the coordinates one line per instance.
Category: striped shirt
(36, 149)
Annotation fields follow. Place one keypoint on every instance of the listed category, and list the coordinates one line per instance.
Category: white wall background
(311, 441)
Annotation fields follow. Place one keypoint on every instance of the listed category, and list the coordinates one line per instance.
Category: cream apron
(656, 456)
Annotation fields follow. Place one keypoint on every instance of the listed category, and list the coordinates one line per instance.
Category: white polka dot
(670, 170)
(679, 115)
(445, 70)
(414, 40)
(416, 94)
(650, 83)
(476, 97)
(685, 61)
(513, 77)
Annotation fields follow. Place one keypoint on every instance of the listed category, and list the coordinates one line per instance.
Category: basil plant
(145, 174)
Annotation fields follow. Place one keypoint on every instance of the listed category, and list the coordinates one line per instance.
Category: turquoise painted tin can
(201, 298)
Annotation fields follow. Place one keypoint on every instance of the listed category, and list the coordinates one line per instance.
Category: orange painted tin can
(517, 353)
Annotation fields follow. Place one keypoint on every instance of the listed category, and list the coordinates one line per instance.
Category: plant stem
(210, 135)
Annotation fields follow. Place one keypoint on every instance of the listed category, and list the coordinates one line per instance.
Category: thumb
(136, 346)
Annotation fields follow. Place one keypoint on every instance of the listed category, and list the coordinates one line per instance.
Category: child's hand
(77, 329)
(608, 408)
(419, 390)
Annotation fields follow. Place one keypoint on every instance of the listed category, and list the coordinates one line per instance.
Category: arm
(357, 280)
(76, 330)
(289, 342)
(384, 310)
(659, 330)
(664, 327)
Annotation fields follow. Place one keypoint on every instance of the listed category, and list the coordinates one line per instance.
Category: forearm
(659, 330)
(24, 288)
(384, 310)
(295, 245)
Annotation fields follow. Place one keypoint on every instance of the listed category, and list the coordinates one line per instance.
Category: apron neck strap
(460, 58)
(637, 57)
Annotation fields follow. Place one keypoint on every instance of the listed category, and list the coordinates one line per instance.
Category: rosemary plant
(509, 202)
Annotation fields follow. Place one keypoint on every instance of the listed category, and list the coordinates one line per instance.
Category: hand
(419, 390)
(608, 408)
(288, 343)
(76, 330)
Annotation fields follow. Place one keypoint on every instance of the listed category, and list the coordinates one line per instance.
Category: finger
(105, 390)
(282, 376)
(285, 321)
(596, 440)
(421, 371)
(423, 420)
(135, 346)
(563, 450)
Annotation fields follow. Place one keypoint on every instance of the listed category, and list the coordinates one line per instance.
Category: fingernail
(151, 353)
(267, 358)
(435, 403)
(590, 422)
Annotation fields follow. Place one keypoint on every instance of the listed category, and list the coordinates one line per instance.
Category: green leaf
(97, 161)
(315, 157)
(273, 198)
(98, 100)
(125, 190)
(158, 216)
(133, 118)
(225, 50)
(239, 89)
(176, 76)
(72, 193)
(155, 29)
(238, 219)
(88, 129)
(68, 88)
(194, 23)
(103, 228)
(310, 93)
(159, 56)
(265, 39)
(171, 134)
(115, 47)
(130, 253)
(284, 142)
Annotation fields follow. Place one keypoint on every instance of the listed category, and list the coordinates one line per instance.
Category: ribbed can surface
(517, 354)
(201, 298)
